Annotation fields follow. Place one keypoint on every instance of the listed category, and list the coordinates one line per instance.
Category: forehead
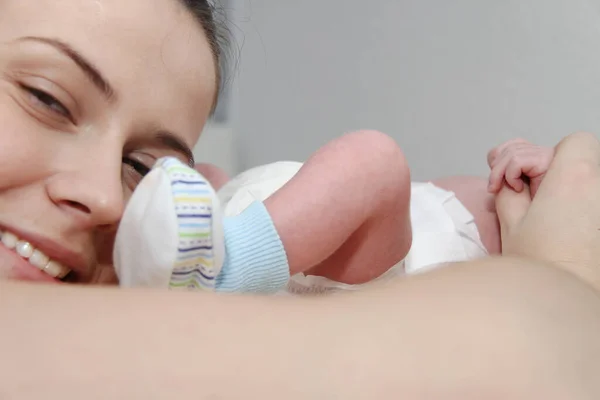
(152, 51)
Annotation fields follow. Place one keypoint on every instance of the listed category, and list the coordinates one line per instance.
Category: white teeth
(9, 240)
(24, 249)
(35, 257)
(39, 259)
(56, 270)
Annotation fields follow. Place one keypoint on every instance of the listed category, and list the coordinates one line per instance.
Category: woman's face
(92, 92)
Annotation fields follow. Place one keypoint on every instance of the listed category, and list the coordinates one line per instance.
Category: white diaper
(443, 229)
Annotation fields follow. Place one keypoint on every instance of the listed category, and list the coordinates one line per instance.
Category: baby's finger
(513, 175)
(496, 179)
(492, 155)
(497, 152)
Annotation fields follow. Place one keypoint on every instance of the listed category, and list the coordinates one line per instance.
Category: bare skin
(75, 145)
(67, 182)
(336, 220)
(523, 326)
(498, 340)
(346, 214)
(216, 176)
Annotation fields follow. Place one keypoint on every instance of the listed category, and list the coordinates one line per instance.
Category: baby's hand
(515, 159)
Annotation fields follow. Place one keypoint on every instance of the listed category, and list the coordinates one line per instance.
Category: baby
(348, 216)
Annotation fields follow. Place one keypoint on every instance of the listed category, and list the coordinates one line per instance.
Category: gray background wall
(447, 79)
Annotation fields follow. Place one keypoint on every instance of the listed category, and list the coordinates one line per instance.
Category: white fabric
(443, 229)
(255, 184)
(155, 246)
(146, 243)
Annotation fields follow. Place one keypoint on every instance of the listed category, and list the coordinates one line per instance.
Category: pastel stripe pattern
(196, 266)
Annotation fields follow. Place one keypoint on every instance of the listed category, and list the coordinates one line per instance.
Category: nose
(92, 196)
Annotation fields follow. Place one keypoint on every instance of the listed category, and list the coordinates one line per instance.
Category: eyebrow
(90, 71)
(170, 140)
(162, 137)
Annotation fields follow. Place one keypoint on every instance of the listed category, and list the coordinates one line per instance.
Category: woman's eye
(137, 166)
(47, 101)
(133, 172)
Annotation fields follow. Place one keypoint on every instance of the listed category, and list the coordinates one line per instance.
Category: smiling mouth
(35, 257)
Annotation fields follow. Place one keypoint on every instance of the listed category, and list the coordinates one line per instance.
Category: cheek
(19, 147)
(26, 148)
(105, 273)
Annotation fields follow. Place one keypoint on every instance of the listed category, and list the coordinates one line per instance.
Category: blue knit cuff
(255, 260)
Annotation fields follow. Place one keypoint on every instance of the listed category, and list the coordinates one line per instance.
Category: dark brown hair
(216, 34)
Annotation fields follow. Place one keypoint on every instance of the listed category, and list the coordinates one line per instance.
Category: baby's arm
(509, 162)
(345, 214)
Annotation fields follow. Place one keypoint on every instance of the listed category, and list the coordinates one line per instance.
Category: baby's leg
(345, 215)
